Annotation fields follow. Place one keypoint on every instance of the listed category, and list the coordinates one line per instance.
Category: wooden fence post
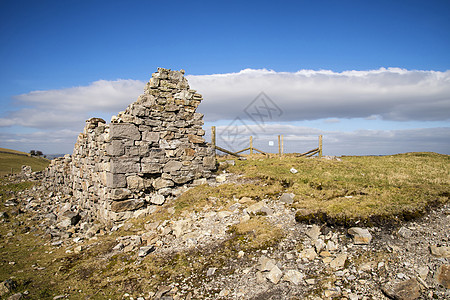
(320, 146)
(251, 145)
(279, 145)
(282, 145)
(213, 138)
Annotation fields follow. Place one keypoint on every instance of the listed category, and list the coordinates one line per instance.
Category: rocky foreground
(410, 261)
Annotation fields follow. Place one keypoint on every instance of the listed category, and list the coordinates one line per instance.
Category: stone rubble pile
(144, 156)
(311, 261)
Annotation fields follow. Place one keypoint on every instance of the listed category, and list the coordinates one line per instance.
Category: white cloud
(69, 107)
(392, 94)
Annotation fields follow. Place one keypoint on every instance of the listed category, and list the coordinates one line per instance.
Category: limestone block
(150, 166)
(160, 183)
(139, 110)
(151, 137)
(172, 166)
(122, 165)
(127, 205)
(119, 194)
(124, 131)
(115, 180)
(195, 139)
(176, 75)
(209, 162)
(157, 199)
(135, 182)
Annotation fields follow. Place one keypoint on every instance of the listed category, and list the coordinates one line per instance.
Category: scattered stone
(293, 171)
(287, 198)
(441, 251)
(7, 286)
(211, 271)
(224, 293)
(309, 254)
(339, 261)
(266, 264)
(361, 236)
(246, 200)
(16, 296)
(405, 232)
(423, 272)
(443, 276)
(259, 207)
(274, 275)
(70, 218)
(405, 290)
(293, 276)
(313, 232)
(144, 251)
(333, 292)
(157, 199)
(221, 178)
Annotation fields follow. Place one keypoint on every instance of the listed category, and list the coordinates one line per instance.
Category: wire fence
(239, 144)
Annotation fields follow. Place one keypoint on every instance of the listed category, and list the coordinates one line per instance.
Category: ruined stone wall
(148, 153)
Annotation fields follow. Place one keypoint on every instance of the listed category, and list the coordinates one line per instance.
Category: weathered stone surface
(116, 180)
(135, 182)
(293, 276)
(440, 251)
(151, 137)
(361, 236)
(195, 139)
(405, 290)
(125, 165)
(172, 166)
(265, 263)
(287, 198)
(124, 131)
(160, 183)
(120, 194)
(115, 148)
(144, 251)
(125, 205)
(149, 166)
(274, 275)
(157, 199)
(69, 218)
(443, 276)
(339, 261)
(313, 232)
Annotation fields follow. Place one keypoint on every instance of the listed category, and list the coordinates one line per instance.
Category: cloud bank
(392, 94)
(69, 107)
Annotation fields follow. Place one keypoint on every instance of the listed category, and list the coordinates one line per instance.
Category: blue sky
(82, 49)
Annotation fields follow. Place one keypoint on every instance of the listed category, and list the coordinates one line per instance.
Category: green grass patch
(358, 188)
(13, 162)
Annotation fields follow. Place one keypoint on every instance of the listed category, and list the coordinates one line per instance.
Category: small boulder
(287, 198)
(275, 275)
(361, 236)
(293, 276)
(443, 276)
(144, 251)
(405, 290)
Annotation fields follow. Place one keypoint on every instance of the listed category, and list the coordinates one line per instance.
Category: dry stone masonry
(148, 153)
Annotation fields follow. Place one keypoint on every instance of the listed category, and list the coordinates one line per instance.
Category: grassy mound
(12, 161)
(367, 189)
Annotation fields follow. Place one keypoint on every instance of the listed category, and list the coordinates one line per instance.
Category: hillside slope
(11, 161)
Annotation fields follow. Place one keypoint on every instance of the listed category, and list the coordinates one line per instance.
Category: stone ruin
(149, 153)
